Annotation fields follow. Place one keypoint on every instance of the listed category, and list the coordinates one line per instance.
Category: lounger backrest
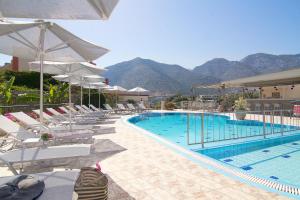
(120, 107)
(14, 129)
(130, 106)
(72, 109)
(81, 109)
(45, 115)
(64, 109)
(108, 107)
(24, 118)
(53, 111)
(93, 107)
(86, 108)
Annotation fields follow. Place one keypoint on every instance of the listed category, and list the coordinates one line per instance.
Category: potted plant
(45, 138)
(240, 107)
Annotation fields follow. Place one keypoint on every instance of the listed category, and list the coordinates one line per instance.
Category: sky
(191, 32)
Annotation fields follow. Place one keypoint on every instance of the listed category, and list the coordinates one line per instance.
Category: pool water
(275, 158)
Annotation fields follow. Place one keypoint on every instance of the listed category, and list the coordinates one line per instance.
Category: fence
(198, 105)
(215, 127)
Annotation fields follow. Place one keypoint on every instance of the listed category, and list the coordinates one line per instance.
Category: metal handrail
(216, 127)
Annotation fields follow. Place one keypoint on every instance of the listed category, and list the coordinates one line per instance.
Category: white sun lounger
(14, 129)
(59, 155)
(131, 107)
(18, 132)
(58, 185)
(94, 108)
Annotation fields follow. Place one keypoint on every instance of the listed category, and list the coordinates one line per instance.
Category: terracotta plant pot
(240, 115)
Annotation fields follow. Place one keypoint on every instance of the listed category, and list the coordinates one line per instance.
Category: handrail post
(188, 128)
(281, 122)
(202, 130)
(264, 122)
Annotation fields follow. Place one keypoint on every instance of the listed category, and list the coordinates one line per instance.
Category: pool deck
(150, 170)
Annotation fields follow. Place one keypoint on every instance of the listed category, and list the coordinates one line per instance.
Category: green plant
(131, 101)
(5, 90)
(57, 93)
(45, 137)
(240, 104)
(170, 105)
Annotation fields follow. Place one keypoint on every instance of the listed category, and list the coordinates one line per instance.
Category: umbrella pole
(80, 93)
(99, 99)
(70, 102)
(89, 96)
(41, 55)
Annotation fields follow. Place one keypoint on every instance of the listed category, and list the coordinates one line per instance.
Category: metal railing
(216, 127)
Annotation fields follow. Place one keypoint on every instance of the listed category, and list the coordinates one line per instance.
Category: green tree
(5, 90)
(58, 92)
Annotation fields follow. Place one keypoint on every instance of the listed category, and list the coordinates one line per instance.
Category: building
(280, 90)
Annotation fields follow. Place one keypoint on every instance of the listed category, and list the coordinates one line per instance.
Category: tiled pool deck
(150, 170)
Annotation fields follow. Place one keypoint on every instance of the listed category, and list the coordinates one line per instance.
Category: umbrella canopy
(23, 39)
(57, 9)
(45, 41)
(117, 88)
(81, 69)
(138, 89)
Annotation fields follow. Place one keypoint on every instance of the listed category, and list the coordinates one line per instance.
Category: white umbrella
(83, 71)
(45, 41)
(117, 89)
(100, 86)
(76, 80)
(138, 90)
(57, 9)
(89, 80)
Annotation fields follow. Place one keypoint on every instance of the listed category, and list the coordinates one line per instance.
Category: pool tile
(246, 168)
(295, 143)
(286, 156)
(228, 160)
(266, 151)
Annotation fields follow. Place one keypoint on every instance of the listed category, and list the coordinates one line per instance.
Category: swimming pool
(276, 158)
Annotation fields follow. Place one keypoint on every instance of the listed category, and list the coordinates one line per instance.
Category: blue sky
(191, 32)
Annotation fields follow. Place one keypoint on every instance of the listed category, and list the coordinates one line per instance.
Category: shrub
(240, 104)
(170, 105)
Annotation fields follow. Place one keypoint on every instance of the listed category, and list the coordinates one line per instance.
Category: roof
(288, 77)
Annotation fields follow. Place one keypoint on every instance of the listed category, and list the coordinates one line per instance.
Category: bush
(170, 105)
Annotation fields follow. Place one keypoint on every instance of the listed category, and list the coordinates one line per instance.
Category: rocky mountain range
(165, 78)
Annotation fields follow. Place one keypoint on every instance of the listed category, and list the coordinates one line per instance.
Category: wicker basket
(91, 185)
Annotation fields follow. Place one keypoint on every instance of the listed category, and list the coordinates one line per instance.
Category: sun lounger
(122, 108)
(131, 107)
(58, 185)
(54, 156)
(31, 139)
(109, 108)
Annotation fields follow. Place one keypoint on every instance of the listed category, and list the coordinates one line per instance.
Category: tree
(57, 93)
(5, 90)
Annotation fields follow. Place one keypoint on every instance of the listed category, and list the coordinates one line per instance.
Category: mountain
(166, 78)
(224, 69)
(153, 76)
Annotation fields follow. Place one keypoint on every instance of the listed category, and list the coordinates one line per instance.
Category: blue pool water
(276, 158)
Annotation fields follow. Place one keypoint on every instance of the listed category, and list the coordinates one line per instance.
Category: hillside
(153, 76)
(168, 78)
